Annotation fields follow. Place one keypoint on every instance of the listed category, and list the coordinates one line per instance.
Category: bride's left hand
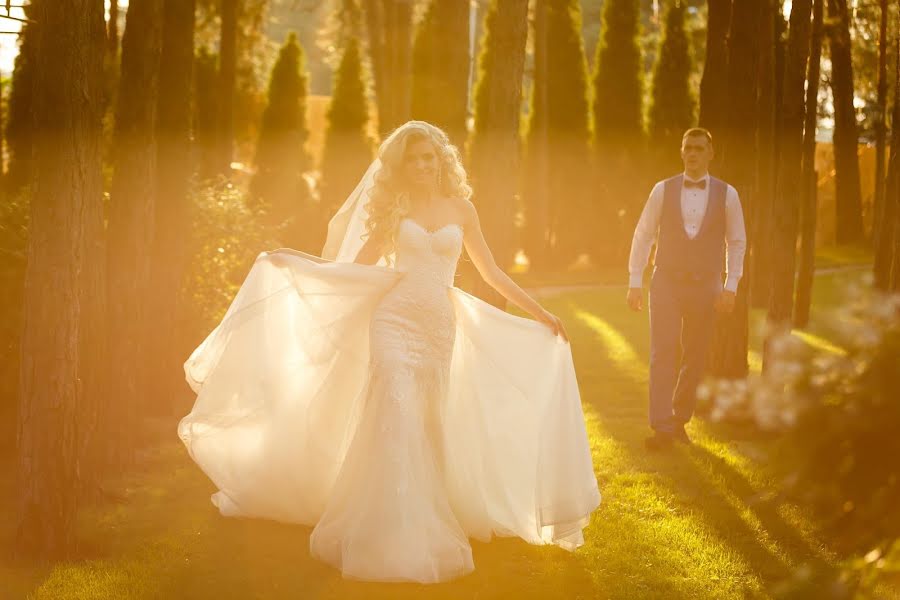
(554, 323)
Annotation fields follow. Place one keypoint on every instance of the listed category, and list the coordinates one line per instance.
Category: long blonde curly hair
(389, 199)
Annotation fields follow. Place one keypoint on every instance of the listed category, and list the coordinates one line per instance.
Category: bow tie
(695, 185)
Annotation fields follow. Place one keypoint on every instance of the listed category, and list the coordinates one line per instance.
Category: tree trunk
(846, 140)
(113, 28)
(204, 123)
(809, 202)
(57, 410)
(738, 148)
(895, 264)
(885, 256)
(173, 215)
(790, 181)
(759, 274)
(131, 219)
(714, 84)
(494, 147)
(226, 84)
(807, 256)
(880, 118)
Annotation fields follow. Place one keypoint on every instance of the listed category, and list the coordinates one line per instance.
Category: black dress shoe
(681, 436)
(658, 441)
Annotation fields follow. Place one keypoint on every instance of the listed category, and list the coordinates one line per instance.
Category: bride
(362, 394)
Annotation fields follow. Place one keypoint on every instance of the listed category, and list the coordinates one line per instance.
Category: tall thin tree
(57, 408)
(619, 136)
(389, 26)
(808, 206)
(887, 256)
(281, 159)
(493, 147)
(113, 28)
(714, 83)
(673, 103)
(760, 267)
(558, 137)
(205, 111)
(227, 81)
(172, 214)
(790, 182)
(737, 147)
(440, 67)
(348, 147)
(131, 218)
(848, 195)
(881, 114)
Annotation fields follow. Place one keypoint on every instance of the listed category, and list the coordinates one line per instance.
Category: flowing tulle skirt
(395, 466)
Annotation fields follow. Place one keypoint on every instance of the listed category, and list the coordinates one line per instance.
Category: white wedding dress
(396, 414)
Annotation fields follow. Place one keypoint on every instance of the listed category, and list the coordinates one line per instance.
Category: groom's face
(696, 152)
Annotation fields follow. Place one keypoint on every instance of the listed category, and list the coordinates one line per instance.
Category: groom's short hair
(697, 132)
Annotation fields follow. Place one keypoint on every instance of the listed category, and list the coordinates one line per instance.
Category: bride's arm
(494, 276)
(370, 252)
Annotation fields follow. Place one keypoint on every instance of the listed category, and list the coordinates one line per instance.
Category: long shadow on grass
(702, 481)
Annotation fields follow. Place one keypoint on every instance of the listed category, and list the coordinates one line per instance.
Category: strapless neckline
(427, 231)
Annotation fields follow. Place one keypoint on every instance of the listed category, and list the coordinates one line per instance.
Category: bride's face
(421, 163)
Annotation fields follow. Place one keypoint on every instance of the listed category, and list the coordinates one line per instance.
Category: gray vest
(703, 256)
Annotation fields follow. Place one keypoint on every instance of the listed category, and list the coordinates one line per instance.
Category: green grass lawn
(702, 522)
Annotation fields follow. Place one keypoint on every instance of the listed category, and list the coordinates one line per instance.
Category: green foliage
(620, 182)
(488, 61)
(348, 148)
(618, 79)
(440, 68)
(838, 413)
(225, 239)
(558, 138)
(674, 104)
(279, 188)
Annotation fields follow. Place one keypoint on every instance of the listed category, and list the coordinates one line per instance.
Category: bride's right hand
(554, 323)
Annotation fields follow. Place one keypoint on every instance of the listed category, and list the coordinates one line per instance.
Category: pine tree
(494, 146)
(440, 67)
(674, 104)
(618, 86)
(278, 187)
(618, 79)
(558, 137)
(348, 147)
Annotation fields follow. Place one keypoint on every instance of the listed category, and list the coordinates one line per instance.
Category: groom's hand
(635, 299)
(725, 302)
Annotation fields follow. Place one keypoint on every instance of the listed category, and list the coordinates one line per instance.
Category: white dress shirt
(693, 209)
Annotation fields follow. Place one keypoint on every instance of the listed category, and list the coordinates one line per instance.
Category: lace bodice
(429, 254)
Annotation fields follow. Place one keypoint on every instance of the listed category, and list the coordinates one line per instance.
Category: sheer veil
(347, 227)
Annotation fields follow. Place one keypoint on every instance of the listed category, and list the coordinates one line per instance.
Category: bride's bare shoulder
(465, 209)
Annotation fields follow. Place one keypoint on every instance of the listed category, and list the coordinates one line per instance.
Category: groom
(696, 221)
